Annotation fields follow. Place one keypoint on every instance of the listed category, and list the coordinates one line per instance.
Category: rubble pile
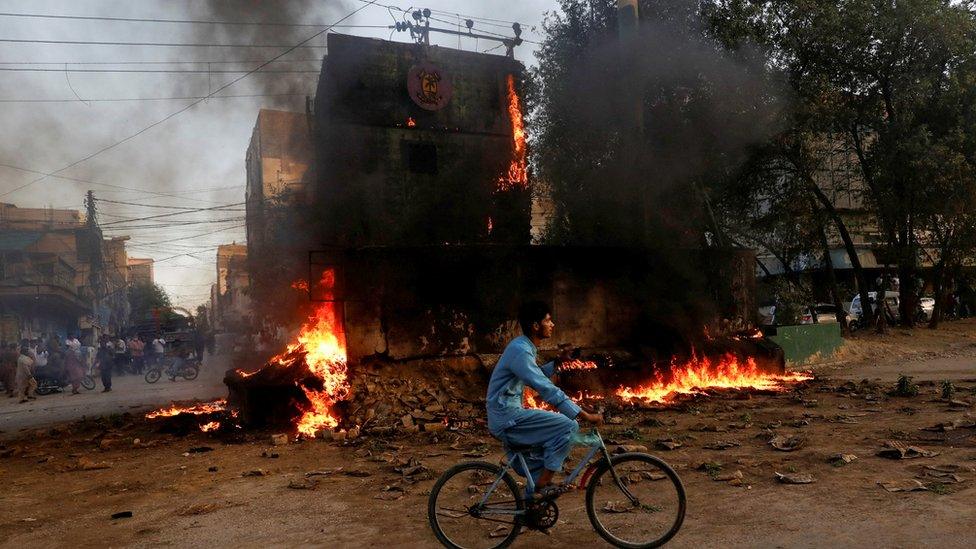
(428, 396)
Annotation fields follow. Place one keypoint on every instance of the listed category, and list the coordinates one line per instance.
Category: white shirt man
(159, 345)
(73, 343)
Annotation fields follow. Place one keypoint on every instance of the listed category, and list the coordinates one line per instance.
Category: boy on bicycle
(512, 424)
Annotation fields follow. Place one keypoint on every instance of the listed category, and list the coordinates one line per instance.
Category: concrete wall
(414, 302)
(393, 173)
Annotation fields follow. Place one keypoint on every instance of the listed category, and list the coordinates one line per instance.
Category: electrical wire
(195, 103)
(153, 71)
(124, 99)
(181, 21)
(144, 44)
(217, 208)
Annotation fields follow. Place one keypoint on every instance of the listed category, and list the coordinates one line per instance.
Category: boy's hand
(595, 419)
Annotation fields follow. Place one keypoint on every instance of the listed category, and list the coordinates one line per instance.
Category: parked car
(927, 305)
(890, 296)
(823, 313)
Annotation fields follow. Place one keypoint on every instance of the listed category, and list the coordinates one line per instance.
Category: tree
(630, 131)
(149, 304)
(879, 74)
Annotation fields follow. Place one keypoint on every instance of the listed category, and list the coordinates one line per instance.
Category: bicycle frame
(530, 483)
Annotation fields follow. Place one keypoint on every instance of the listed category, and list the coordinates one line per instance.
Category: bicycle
(189, 370)
(633, 500)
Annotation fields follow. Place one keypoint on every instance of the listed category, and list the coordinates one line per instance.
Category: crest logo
(429, 86)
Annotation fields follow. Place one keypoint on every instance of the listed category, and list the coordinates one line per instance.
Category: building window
(421, 157)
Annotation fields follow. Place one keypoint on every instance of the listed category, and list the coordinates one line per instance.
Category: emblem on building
(429, 86)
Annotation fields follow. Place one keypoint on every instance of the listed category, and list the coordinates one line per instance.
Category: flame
(491, 225)
(322, 342)
(699, 374)
(196, 409)
(578, 364)
(411, 122)
(517, 175)
(300, 284)
(211, 426)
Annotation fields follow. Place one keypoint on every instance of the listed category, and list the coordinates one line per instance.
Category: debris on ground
(898, 450)
(794, 478)
(254, 473)
(907, 485)
(721, 445)
(840, 459)
(122, 514)
(786, 443)
(303, 484)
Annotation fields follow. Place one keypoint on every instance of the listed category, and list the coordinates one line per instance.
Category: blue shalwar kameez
(512, 424)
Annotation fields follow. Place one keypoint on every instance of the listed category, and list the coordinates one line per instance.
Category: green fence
(799, 343)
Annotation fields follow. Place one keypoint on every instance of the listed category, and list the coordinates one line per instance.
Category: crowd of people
(67, 361)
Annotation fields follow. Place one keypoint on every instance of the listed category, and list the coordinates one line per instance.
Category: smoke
(201, 148)
(634, 130)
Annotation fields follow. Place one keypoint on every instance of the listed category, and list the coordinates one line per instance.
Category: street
(196, 490)
(130, 393)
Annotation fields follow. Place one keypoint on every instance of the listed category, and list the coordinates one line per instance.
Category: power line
(159, 44)
(107, 201)
(172, 224)
(242, 62)
(195, 103)
(162, 71)
(89, 182)
(217, 208)
(182, 21)
(131, 99)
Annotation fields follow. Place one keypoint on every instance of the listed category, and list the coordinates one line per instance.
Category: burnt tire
(670, 492)
(445, 489)
(153, 375)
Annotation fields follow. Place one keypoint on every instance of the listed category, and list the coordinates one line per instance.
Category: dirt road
(129, 393)
(239, 495)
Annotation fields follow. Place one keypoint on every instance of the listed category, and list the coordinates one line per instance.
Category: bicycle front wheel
(87, 382)
(475, 505)
(644, 509)
(190, 373)
(153, 375)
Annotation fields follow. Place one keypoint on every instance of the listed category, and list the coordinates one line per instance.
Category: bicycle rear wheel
(655, 513)
(87, 382)
(461, 516)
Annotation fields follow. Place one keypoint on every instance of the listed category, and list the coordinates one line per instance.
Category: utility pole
(96, 274)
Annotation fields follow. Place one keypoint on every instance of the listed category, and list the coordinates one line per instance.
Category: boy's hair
(530, 313)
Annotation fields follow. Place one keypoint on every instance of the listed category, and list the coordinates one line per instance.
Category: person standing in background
(104, 359)
(26, 384)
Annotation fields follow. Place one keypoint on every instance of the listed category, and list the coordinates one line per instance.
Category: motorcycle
(49, 383)
(189, 369)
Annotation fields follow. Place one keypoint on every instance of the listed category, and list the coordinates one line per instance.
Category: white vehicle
(890, 296)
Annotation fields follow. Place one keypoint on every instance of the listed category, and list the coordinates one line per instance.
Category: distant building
(44, 274)
(232, 305)
(140, 271)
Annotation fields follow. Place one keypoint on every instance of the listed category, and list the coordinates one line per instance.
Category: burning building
(416, 213)
(420, 145)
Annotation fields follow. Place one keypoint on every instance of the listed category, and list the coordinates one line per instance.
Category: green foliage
(628, 132)
(905, 387)
(947, 389)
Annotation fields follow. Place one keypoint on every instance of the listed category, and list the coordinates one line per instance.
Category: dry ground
(187, 499)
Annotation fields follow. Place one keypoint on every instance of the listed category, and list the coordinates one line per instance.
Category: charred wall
(404, 303)
(392, 172)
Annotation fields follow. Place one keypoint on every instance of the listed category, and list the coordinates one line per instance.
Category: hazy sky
(52, 118)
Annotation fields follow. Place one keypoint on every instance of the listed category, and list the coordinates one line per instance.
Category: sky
(81, 114)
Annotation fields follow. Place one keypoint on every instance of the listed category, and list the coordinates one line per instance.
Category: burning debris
(195, 409)
(700, 374)
(302, 386)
